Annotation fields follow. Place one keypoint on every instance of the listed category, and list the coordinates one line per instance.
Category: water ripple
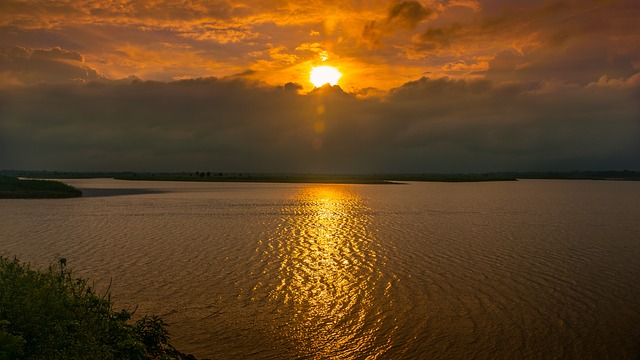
(322, 272)
(527, 269)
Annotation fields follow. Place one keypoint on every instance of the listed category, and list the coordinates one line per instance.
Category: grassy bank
(14, 188)
(51, 314)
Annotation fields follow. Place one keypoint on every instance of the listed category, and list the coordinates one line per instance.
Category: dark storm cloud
(233, 125)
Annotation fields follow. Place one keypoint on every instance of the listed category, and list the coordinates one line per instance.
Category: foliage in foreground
(51, 315)
(14, 188)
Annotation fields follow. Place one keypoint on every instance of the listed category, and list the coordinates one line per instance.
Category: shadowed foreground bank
(50, 314)
(14, 188)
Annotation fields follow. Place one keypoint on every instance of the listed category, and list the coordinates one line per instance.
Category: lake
(532, 269)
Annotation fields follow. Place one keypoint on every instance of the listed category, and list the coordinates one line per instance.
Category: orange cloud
(378, 44)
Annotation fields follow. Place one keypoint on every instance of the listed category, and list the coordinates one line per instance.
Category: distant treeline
(579, 175)
(498, 176)
(379, 178)
(271, 178)
(14, 188)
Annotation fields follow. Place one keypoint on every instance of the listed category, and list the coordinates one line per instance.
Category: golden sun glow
(321, 75)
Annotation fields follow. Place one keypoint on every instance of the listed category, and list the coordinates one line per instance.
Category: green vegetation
(14, 188)
(52, 315)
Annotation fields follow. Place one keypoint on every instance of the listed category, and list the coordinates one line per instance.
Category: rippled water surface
(527, 269)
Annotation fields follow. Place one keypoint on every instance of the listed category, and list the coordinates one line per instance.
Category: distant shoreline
(374, 179)
(624, 175)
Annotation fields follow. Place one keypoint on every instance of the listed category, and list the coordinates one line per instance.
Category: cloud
(185, 85)
(26, 67)
(408, 13)
(381, 44)
(402, 15)
(437, 38)
(581, 62)
(427, 125)
(53, 14)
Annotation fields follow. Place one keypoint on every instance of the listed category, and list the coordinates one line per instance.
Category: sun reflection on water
(324, 272)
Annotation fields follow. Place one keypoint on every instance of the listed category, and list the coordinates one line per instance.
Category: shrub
(52, 315)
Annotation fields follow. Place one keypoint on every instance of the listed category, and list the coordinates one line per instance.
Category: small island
(15, 188)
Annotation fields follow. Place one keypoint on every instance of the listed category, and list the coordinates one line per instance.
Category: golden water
(528, 269)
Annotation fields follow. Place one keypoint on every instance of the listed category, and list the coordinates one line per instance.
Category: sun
(321, 75)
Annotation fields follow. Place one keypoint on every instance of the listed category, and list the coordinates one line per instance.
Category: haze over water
(527, 269)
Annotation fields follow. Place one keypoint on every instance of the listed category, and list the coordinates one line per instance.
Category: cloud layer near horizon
(440, 125)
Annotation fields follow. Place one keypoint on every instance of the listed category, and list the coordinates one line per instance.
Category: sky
(223, 86)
